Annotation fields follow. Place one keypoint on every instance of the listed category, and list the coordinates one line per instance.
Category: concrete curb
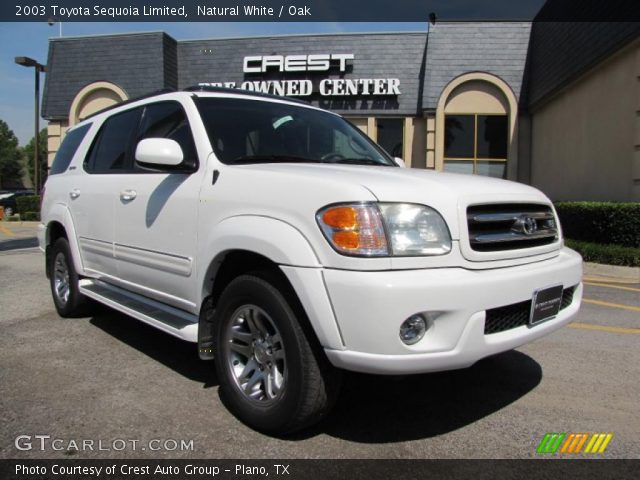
(612, 272)
(25, 223)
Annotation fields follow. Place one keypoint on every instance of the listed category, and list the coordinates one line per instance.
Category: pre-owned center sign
(327, 87)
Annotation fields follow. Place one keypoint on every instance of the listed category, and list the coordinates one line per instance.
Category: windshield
(255, 131)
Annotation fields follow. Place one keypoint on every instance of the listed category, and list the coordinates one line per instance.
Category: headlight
(384, 229)
(415, 229)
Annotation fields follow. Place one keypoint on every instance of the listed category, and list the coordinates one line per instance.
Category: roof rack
(239, 91)
(131, 100)
(197, 88)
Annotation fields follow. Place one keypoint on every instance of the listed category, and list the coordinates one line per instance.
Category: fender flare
(288, 248)
(272, 238)
(60, 213)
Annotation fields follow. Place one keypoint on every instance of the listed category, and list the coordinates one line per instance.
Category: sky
(32, 40)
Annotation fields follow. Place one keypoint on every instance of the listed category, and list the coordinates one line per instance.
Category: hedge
(601, 222)
(30, 216)
(608, 254)
(29, 203)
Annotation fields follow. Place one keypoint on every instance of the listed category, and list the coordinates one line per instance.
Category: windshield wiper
(272, 159)
(361, 161)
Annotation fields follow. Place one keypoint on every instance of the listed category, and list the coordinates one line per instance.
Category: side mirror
(160, 152)
(399, 162)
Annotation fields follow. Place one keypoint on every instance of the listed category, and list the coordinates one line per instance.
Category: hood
(448, 193)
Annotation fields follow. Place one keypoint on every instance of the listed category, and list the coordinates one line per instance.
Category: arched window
(93, 98)
(476, 127)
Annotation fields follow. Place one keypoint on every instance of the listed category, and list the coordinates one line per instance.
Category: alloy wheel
(255, 355)
(61, 278)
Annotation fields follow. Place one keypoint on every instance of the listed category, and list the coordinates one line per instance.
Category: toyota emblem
(525, 224)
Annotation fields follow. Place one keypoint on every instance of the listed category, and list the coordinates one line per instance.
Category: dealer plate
(545, 304)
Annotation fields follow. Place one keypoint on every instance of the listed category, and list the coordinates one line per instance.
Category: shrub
(608, 254)
(29, 203)
(30, 216)
(601, 222)
(12, 218)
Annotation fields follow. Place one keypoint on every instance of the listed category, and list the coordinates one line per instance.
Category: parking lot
(110, 377)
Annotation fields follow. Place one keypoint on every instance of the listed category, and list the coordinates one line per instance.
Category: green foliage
(30, 216)
(29, 203)
(608, 254)
(42, 155)
(10, 156)
(601, 222)
(12, 218)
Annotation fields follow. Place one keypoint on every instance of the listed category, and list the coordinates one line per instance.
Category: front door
(156, 215)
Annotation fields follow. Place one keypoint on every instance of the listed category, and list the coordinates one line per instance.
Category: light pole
(30, 62)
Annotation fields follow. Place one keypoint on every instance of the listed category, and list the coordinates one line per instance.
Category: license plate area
(545, 304)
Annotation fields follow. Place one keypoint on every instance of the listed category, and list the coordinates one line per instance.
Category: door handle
(127, 195)
(75, 193)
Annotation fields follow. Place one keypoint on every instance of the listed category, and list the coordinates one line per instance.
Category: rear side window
(168, 120)
(110, 152)
(68, 149)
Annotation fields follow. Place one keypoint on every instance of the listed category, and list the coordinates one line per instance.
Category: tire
(68, 300)
(273, 376)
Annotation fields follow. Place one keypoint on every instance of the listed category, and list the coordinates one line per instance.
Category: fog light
(413, 329)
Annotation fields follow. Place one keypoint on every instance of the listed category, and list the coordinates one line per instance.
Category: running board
(168, 319)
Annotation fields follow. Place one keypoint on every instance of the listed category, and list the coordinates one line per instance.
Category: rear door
(156, 214)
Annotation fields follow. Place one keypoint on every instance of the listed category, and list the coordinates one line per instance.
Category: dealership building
(555, 105)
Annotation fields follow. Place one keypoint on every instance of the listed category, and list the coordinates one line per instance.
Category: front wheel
(272, 376)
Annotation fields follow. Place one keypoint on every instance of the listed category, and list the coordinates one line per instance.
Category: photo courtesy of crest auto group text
(319, 240)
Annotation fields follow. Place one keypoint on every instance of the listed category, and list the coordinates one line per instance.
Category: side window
(110, 152)
(68, 149)
(168, 120)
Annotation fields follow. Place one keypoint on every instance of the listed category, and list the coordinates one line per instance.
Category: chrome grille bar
(512, 237)
(506, 217)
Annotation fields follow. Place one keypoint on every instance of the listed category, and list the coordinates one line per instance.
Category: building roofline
(246, 37)
(320, 34)
(485, 20)
(287, 35)
(102, 35)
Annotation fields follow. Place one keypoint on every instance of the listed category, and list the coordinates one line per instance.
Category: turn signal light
(347, 240)
(354, 229)
(341, 217)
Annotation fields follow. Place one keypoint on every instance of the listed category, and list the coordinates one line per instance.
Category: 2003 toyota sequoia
(290, 246)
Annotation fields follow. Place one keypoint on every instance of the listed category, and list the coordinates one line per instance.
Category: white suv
(286, 243)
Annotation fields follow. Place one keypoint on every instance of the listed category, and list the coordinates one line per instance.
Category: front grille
(510, 226)
(517, 314)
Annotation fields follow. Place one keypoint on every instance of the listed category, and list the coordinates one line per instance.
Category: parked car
(290, 247)
(8, 200)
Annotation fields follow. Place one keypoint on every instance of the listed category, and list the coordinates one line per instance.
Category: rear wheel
(68, 300)
(273, 377)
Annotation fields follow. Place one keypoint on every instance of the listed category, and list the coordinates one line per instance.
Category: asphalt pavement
(109, 377)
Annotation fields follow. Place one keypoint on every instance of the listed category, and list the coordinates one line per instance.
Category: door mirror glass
(159, 152)
(399, 162)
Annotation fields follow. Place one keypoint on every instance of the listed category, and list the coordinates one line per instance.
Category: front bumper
(370, 307)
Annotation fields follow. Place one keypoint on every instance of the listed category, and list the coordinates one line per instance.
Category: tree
(10, 156)
(42, 154)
